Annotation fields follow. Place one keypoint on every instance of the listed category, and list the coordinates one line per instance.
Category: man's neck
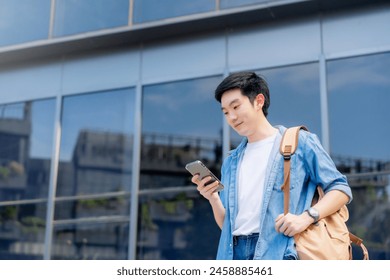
(265, 130)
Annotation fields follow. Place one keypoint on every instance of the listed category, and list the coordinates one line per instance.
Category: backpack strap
(359, 242)
(288, 146)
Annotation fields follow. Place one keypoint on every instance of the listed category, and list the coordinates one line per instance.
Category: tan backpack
(329, 238)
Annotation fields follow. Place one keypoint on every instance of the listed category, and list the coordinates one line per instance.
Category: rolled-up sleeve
(322, 168)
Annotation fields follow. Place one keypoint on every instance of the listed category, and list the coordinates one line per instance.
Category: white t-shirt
(251, 179)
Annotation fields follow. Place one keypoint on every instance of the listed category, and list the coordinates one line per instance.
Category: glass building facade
(102, 103)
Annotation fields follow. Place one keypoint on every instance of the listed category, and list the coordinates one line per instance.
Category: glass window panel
(75, 16)
(92, 241)
(181, 122)
(359, 90)
(26, 135)
(22, 231)
(150, 10)
(24, 20)
(295, 97)
(176, 226)
(96, 143)
(358, 102)
(237, 3)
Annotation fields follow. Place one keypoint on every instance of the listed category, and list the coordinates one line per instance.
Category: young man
(249, 210)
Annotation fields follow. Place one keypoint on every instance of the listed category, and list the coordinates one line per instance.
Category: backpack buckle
(287, 152)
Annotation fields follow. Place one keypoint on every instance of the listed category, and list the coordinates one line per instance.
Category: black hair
(250, 85)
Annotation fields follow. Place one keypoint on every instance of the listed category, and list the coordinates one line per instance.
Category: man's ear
(259, 101)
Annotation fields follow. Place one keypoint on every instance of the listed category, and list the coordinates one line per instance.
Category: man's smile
(237, 125)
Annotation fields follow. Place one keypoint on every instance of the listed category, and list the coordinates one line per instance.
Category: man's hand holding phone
(207, 189)
(208, 184)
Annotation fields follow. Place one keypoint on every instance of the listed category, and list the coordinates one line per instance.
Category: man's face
(240, 113)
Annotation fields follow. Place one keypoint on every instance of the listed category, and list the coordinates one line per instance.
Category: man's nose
(232, 117)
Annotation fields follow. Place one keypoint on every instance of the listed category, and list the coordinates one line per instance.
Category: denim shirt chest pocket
(279, 173)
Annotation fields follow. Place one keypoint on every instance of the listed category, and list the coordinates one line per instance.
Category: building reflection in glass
(25, 152)
(94, 177)
(91, 241)
(182, 122)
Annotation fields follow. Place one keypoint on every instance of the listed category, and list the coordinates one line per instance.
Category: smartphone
(197, 167)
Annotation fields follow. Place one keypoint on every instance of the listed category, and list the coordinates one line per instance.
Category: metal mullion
(53, 180)
(92, 196)
(52, 18)
(23, 202)
(323, 93)
(225, 126)
(324, 104)
(92, 220)
(133, 226)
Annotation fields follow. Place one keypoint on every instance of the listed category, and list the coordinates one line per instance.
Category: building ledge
(175, 27)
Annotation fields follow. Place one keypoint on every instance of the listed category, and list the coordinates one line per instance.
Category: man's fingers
(195, 179)
(208, 188)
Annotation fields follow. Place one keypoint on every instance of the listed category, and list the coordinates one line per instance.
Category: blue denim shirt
(310, 166)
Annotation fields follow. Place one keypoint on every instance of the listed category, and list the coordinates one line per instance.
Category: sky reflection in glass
(359, 98)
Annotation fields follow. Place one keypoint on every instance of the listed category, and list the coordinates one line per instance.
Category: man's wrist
(313, 214)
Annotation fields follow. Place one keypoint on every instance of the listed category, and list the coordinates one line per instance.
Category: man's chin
(241, 132)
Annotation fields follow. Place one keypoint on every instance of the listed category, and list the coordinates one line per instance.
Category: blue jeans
(244, 246)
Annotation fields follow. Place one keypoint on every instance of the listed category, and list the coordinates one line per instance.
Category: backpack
(329, 238)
